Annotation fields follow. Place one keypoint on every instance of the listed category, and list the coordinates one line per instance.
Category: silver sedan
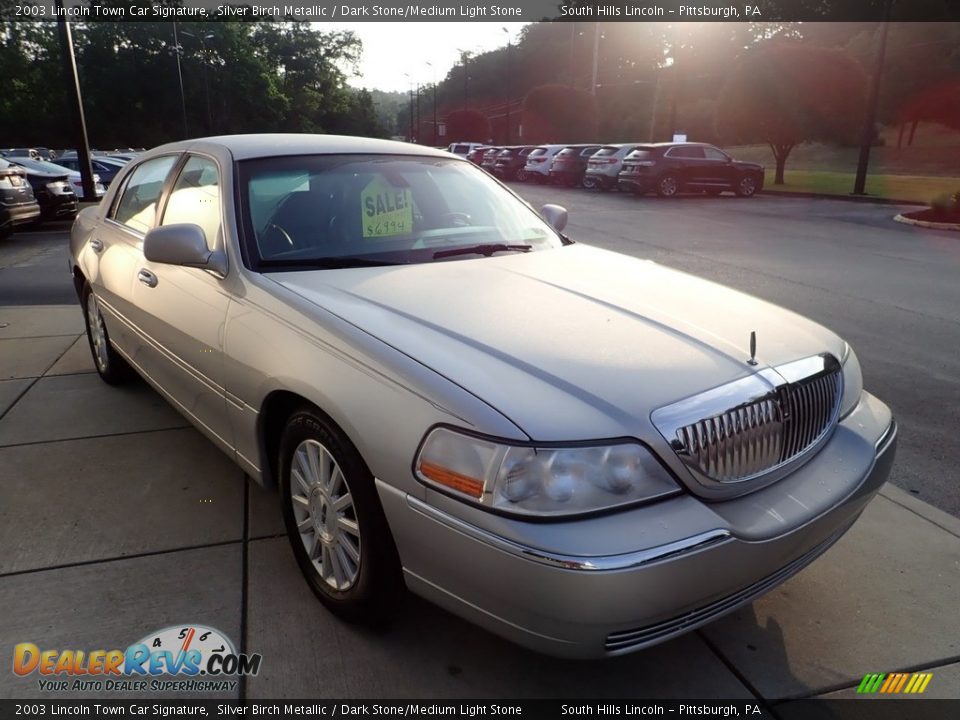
(584, 452)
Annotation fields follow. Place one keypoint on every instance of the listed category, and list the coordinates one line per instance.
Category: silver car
(584, 452)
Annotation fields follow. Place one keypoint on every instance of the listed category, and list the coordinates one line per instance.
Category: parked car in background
(18, 206)
(463, 149)
(577, 449)
(21, 152)
(52, 189)
(570, 164)
(489, 160)
(605, 164)
(509, 164)
(672, 168)
(537, 167)
(105, 166)
(476, 155)
(73, 176)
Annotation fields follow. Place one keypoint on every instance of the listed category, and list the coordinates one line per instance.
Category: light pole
(870, 119)
(206, 84)
(183, 97)
(410, 132)
(508, 84)
(434, 70)
(464, 58)
(72, 79)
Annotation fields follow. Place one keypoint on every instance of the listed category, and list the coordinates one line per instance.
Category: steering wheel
(458, 219)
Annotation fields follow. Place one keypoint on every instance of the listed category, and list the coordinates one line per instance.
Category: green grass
(921, 188)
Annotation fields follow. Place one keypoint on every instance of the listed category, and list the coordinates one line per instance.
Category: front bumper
(680, 563)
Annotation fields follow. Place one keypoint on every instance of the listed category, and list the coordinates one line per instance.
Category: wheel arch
(277, 407)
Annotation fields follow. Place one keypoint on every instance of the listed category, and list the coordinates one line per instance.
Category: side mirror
(556, 215)
(183, 244)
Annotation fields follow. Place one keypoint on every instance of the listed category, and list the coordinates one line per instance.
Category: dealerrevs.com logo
(180, 658)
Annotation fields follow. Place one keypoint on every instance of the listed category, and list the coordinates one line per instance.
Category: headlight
(852, 382)
(542, 481)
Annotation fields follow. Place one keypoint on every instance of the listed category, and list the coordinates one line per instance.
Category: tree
(559, 113)
(785, 93)
(468, 126)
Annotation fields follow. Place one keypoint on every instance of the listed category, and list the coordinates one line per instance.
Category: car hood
(744, 165)
(571, 343)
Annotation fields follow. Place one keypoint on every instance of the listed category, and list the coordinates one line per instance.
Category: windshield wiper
(485, 250)
(330, 263)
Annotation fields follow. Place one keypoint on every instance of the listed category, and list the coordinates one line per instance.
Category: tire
(522, 175)
(668, 186)
(345, 552)
(111, 366)
(746, 186)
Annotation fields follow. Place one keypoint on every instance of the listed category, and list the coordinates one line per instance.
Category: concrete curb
(938, 517)
(849, 198)
(927, 223)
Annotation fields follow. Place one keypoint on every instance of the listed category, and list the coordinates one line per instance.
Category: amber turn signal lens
(453, 480)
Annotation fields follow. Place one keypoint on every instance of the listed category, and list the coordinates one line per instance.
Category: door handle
(97, 245)
(147, 278)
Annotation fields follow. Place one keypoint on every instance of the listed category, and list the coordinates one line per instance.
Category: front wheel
(335, 522)
(746, 186)
(110, 365)
(668, 186)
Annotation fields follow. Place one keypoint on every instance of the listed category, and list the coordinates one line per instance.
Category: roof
(244, 147)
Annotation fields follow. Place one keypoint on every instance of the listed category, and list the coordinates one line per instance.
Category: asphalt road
(893, 291)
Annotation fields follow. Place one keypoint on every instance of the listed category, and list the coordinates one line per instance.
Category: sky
(391, 49)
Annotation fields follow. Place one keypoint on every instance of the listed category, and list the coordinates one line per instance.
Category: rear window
(538, 151)
(460, 149)
(608, 150)
(569, 152)
(640, 155)
(587, 152)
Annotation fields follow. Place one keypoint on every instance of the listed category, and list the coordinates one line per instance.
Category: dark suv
(510, 162)
(570, 164)
(672, 168)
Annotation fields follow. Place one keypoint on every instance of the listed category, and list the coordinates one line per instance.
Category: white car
(537, 168)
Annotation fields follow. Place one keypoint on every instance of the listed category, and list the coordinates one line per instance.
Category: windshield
(355, 210)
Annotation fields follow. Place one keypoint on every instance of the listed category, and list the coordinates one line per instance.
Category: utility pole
(509, 84)
(183, 97)
(410, 132)
(417, 135)
(206, 82)
(80, 123)
(873, 100)
(434, 70)
(596, 59)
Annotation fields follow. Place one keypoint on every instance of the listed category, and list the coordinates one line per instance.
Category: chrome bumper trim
(602, 563)
(888, 435)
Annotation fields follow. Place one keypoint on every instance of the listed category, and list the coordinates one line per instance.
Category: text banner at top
(506, 10)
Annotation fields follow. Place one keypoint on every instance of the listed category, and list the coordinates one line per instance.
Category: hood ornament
(753, 348)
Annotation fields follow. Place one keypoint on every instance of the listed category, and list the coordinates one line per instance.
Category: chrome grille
(783, 413)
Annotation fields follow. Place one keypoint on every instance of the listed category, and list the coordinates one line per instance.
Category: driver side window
(196, 198)
(137, 208)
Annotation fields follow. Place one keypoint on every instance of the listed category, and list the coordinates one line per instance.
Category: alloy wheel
(98, 334)
(325, 515)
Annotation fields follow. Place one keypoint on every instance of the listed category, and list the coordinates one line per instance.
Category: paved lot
(117, 519)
